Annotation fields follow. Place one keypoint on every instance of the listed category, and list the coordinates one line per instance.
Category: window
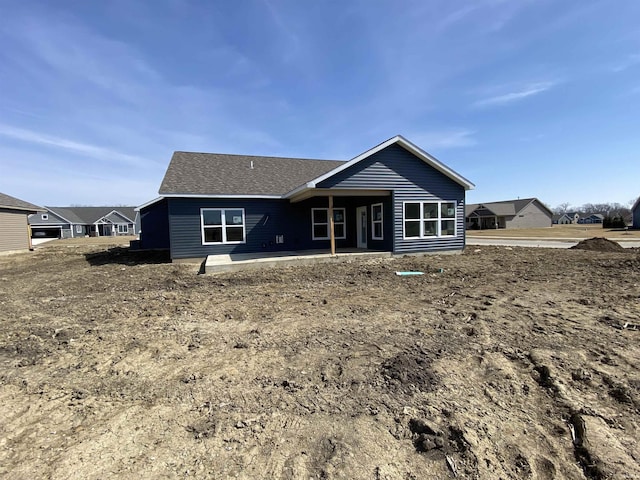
(222, 225)
(78, 228)
(376, 221)
(123, 228)
(320, 223)
(429, 219)
(44, 216)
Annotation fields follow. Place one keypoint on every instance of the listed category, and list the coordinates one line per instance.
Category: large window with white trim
(376, 221)
(429, 219)
(320, 223)
(123, 228)
(222, 225)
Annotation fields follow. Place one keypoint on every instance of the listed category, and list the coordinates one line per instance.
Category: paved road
(521, 242)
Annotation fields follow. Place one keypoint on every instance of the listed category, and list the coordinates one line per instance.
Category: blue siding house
(394, 197)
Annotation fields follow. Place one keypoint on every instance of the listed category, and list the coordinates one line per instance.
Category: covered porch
(345, 220)
(484, 219)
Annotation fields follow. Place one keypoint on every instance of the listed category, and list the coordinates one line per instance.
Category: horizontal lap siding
(154, 226)
(409, 179)
(13, 230)
(264, 219)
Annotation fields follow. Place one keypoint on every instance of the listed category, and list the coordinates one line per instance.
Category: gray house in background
(521, 213)
(70, 222)
(394, 197)
(566, 218)
(14, 228)
(635, 213)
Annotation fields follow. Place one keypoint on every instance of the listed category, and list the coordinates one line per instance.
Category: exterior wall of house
(636, 216)
(531, 216)
(264, 219)
(409, 179)
(51, 225)
(118, 219)
(14, 233)
(154, 226)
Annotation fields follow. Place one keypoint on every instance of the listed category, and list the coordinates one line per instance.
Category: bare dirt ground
(511, 363)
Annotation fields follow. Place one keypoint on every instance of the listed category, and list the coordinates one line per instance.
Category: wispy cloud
(93, 151)
(456, 16)
(444, 139)
(521, 93)
(628, 62)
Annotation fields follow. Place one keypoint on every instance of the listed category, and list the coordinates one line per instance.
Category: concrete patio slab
(237, 262)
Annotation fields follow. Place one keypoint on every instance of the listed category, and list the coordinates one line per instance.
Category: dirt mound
(599, 244)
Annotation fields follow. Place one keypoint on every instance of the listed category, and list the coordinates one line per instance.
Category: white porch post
(332, 234)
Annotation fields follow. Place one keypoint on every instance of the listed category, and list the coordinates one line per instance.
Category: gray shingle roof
(222, 174)
(503, 208)
(88, 215)
(7, 201)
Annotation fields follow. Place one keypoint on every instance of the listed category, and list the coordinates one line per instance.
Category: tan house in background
(14, 228)
(520, 213)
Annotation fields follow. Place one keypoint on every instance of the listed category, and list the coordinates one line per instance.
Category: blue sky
(522, 97)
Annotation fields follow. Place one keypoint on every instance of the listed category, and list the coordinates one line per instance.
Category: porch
(249, 261)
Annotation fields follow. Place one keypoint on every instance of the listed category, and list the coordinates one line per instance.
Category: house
(521, 213)
(566, 218)
(69, 222)
(593, 218)
(394, 197)
(14, 228)
(635, 213)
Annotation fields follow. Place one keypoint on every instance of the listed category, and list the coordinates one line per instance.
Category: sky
(525, 98)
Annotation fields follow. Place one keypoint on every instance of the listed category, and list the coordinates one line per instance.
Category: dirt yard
(510, 363)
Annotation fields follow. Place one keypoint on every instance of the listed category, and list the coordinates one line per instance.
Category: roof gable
(407, 145)
(636, 205)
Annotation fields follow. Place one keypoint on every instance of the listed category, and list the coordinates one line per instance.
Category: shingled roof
(504, 208)
(89, 215)
(7, 201)
(222, 174)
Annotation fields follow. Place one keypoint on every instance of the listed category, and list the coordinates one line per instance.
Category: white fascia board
(118, 212)
(150, 202)
(197, 195)
(407, 145)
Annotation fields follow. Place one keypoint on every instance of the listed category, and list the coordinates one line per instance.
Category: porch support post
(332, 233)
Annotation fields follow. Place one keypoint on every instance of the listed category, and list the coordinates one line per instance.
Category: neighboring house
(70, 222)
(525, 213)
(635, 213)
(14, 228)
(593, 218)
(394, 197)
(566, 218)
